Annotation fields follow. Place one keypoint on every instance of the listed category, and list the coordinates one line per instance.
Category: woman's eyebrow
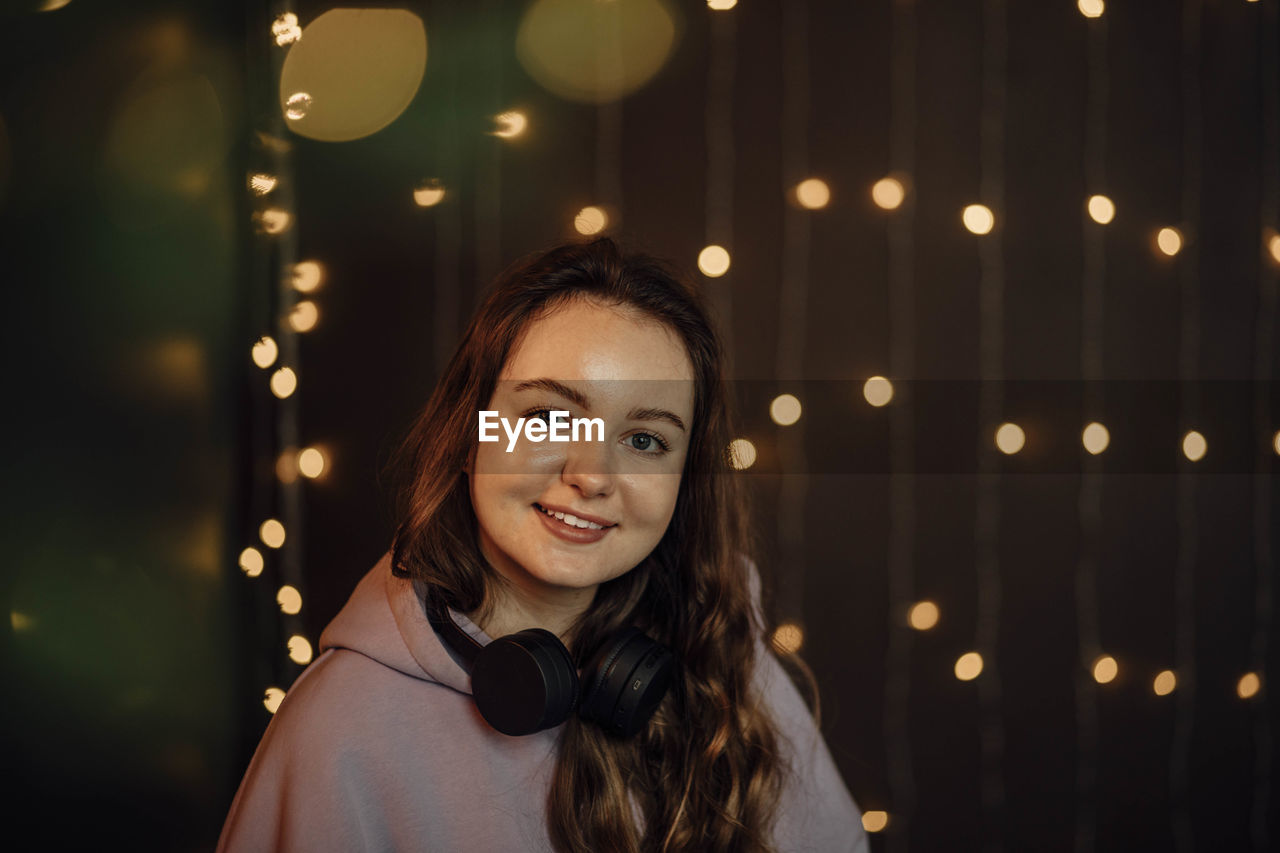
(579, 399)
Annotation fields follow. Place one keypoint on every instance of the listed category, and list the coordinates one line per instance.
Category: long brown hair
(706, 773)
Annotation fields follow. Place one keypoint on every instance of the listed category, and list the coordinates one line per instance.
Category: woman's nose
(588, 467)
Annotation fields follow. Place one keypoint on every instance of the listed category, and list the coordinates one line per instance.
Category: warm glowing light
(813, 194)
(979, 219)
(429, 194)
(742, 454)
(261, 184)
(1165, 682)
(284, 382)
(877, 391)
(52, 5)
(1090, 8)
(1169, 241)
(713, 261)
(272, 533)
(311, 462)
(923, 615)
(1095, 438)
(1105, 669)
(595, 52)
(1248, 685)
(590, 220)
(721, 5)
(353, 72)
(1275, 442)
(1101, 209)
(272, 698)
(287, 467)
(273, 220)
(285, 29)
(265, 352)
(304, 316)
(1194, 446)
(1273, 246)
(1010, 438)
(968, 666)
(785, 409)
(788, 638)
(289, 599)
(251, 562)
(299, 649)
(888, 193)
(20, 621)
(307, 276)
(875, 820)
(510, 124)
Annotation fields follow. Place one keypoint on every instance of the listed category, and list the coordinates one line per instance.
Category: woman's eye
(539, 415)
(648, 443)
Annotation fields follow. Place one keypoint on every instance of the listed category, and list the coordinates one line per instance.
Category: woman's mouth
(571, 528)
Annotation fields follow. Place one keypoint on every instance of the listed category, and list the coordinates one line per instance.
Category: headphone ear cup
(629, 678)
(524, 682)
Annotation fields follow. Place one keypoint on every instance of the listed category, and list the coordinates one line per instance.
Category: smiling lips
(570, 527)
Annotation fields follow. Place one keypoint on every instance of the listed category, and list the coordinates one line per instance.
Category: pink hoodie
(378, 746)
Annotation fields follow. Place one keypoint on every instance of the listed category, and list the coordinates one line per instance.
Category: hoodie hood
(385, 620)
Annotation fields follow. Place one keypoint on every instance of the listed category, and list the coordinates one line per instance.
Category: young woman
(663, 722)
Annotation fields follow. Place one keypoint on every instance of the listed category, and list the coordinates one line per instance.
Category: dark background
(142, 442)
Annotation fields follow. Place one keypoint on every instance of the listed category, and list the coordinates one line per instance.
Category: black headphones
(526, 682)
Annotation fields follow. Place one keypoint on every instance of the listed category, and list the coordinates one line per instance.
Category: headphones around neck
(526, 682)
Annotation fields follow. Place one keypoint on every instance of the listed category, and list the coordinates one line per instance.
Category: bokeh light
(1273, 247)
(284, 382)
(788, 638)
(289, 599)
(285, 29)
(1101, 209)
(299, 649)
(261, 183)
(888, 193)
(1091, 8)
(352, 72)
(510, 124)
(813, 194)
(1169, 241)
(923, 615)
(307, 276)
(311, 462)
(1164, 683)
(273, 220)
(1010, 438)
(968, 666)
(272, 698)
(1194, 446)
(742, 454)
(1095, 438)
(1105, 669)
(593, 52)
(721, 5)
(265, 352)
(590, 220)
(271, 533)
(251, 562)
(785, 409)
(713, 261)
(877, 391)
(304, 316)
(429, 194)
(1248, 685)
(875, 820)
(287, 467)
(978, 218)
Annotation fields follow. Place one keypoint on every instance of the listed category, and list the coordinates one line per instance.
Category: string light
(979, 219)
(742, 454)
(785, 409)
(285, 29)
(788, 638)
(304, 316)
(510, 124)
(273, 220)
(251, 562)
(875, 820)
(1194, 446)
(272, 698)
(261, 184)
(272, 533)
(289, 599)
(1101, 209)
(590, 220)
(1095, 438)
(287, 467)
(877, 391)
(813, 194)
(284, 382)
(1169, 241)
(307, 276)
(888, 193)
(264, 352)
(721, 5)
(297, 105)
(311, 463)
(1273, 246)
(299, 649)
(1275, 442)
(968, 666)
(713, 261)
(923, 615)
(1248, 685)
(1091, 8)
(429, 194)
(1165, 683)
(1105, 669)
(1010, 438)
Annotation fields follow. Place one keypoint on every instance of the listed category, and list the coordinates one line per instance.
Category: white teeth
(573, 520)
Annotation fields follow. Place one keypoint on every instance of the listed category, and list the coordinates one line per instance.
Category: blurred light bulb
(742, 454)
(285, 29)
(1010, 438)
(1101, 209)
(788, 638)
(304, 316)
(875, 820)
(307, 276)
(888, 193)
(311, 463)
(265, 352)
(429, 194)
(272, 533)
(813, 194)
(785, 409)
(1105, 669)
(251, 562)
(923, 615)
(968, 666)
(1248, 685)
(1194, 446)
(1095, 438)
(1090, 8)
(590, 220)
(979, 219)
(272, 698)
(1169, 241)
(289, 599)
(721, 5)
(877, 391)
(297, 105)
(510, 124)
(1165, 683)
(713, 261)
(261, 184)
(284, 382)
(299, 649)
(273, 220)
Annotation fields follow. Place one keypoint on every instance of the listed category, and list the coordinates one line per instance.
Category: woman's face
(628, 371)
